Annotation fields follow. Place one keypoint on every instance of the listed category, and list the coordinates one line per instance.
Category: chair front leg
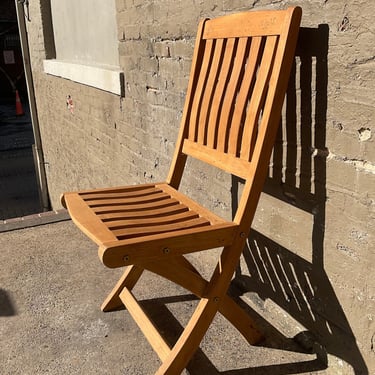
(190, 338)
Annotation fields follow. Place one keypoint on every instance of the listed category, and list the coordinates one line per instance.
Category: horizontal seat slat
(155, 213)
(146, 231)
(144, 222)
(128, 201)
(126, 188)
(194, 206)
(115, 195)
(135, 207)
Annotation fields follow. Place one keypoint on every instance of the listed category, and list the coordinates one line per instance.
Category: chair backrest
(239, 76)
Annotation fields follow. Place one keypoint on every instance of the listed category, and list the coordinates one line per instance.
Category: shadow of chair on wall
(298, 177)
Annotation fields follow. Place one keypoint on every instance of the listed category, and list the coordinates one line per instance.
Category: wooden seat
(239, 75)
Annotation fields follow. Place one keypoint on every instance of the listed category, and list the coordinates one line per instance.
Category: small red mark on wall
(69, 104)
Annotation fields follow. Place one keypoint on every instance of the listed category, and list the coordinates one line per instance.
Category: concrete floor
(51, 288)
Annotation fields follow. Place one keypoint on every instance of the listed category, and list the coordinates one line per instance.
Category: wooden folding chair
(239, 75)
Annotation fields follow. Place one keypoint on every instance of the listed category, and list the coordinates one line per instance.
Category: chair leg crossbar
(180, 271)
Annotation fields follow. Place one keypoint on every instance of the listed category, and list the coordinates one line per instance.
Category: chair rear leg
(241, 320)
(128, 280)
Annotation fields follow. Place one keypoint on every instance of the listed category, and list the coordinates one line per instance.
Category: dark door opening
(19, 193)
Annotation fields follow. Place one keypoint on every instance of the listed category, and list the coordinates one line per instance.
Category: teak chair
(240, 70)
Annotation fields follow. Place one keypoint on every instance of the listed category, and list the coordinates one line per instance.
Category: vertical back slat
(243, 96)
(198, 93)
(231, 93)
(209, 90)
(217, 101)
(257, 99)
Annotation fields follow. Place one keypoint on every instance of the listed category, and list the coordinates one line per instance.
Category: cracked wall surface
(312, 250)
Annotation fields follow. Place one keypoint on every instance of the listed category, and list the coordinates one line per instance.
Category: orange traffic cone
(19, 109)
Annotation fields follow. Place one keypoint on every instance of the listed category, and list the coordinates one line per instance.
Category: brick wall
(312, 248)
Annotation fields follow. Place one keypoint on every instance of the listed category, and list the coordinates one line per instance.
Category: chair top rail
(246, 24)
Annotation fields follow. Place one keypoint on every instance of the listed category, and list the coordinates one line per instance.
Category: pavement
(52, 285)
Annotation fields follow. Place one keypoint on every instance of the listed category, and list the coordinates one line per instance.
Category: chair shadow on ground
(7, 307)
(159, 312)
(301, 288)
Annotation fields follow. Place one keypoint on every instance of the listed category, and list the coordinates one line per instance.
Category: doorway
(19, 193)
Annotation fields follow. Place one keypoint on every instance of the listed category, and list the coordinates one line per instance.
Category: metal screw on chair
(242, 234)
(166, 250)
(216, 299)
(126, 258)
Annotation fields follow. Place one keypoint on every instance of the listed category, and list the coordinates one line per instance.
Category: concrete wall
(312, 248)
